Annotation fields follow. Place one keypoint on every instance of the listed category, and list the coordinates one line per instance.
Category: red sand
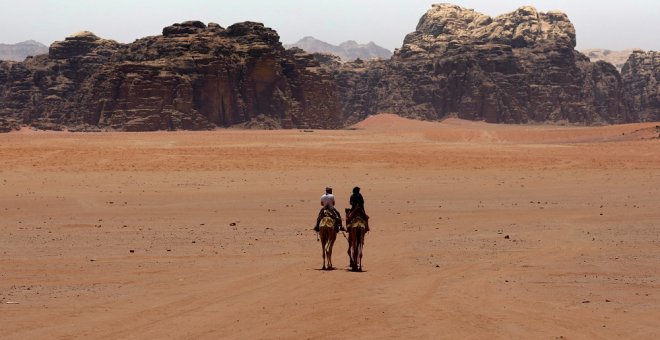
(580, 205)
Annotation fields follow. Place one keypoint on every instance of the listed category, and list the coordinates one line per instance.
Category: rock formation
(520, 67)
(347, 51)
(641, 82)
(22, 50)
(192, 77)
(516, 68)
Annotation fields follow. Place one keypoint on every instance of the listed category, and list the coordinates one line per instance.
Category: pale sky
(600, 24)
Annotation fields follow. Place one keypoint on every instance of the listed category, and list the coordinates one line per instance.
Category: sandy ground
(478, 231)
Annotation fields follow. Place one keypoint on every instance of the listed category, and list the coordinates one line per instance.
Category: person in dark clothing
(357, 207)
(356, 199)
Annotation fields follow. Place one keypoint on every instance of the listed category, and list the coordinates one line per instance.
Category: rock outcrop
(519, 67)
(346, 51)
(641, 81)
(22, 50)
(193, 76)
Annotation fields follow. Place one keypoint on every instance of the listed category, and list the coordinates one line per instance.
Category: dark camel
(357, 226)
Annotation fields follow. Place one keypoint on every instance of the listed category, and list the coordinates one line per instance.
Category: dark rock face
(520, 67)
(516, 68)
(192, 77)
(641, 81)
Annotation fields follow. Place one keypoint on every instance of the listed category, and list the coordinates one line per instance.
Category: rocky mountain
(20, 51)
(641, 82)
(520, 67)
(193, 76)
(347, 51)
(616, 58)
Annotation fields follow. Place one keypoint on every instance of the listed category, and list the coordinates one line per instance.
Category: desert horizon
(477, 230)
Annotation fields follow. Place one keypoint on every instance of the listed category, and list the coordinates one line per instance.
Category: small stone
(506, 237)
(131, 251)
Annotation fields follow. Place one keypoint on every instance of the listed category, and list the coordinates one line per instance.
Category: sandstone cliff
(515, 68)
(641, 81)
(520, 67)
(192, 76)
(347, 51)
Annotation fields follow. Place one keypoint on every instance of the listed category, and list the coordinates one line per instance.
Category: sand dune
(457, 130)
(478, 231)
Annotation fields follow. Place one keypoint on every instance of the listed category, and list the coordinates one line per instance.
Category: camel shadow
(325, 270)
(355, 271)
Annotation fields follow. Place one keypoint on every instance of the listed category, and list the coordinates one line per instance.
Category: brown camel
(357, 228)
(328, 236)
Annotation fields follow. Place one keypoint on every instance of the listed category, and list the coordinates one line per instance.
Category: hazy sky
(607, 23)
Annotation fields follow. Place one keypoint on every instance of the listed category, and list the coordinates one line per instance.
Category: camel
(328, 236)
(357, 228)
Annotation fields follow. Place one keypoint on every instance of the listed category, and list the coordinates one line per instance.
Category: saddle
(327, 219)
(357, 218)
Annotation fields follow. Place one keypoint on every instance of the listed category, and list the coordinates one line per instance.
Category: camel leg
(323, 258)
(350, 256)
(357, 252)
(353, 259)
(323, 242)
(330, 244)
(351, 239)
(360, 257)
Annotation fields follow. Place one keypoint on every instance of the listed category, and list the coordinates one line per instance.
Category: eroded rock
(519, 67)
(641, 81)
(192, 77)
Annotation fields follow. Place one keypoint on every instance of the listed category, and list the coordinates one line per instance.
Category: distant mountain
(347, 51)
(616, 58)
(18, 52)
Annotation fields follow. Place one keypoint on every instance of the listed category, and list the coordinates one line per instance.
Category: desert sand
(478, 231)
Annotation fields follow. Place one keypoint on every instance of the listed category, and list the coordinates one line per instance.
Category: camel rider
(357, 206)
(328, 202)
(356, 199)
